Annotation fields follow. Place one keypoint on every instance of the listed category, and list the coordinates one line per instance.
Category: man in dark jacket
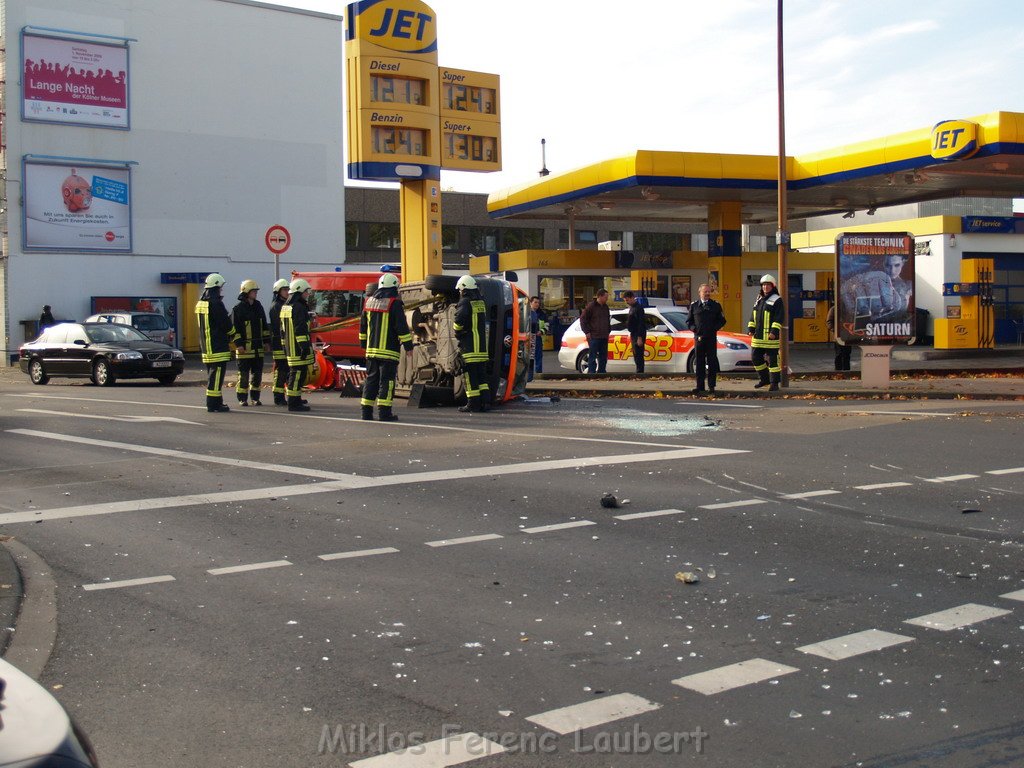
(383, 332)
(250, 323)
(470, 328)
(277, 344)
(298, 348)
(636, 324)
(765, 329)
(215, 335)
(596, 323)
(706, 319)
(46, 319)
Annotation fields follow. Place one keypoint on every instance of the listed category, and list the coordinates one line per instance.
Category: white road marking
(464, 540)
(869, 640)
(451, 750)
(903, 413)
(358, 553)
(174, 454)
(557, 526)
(728, 504)
(1011, 471)
(590, 713)
(809, 494)
(955, 618)
(734, 676)
(249, 567)
(1018, 595)
(138, 419)
(879, 486)
(126, 583)
(948, 478)
(715, 404)
(655, 513)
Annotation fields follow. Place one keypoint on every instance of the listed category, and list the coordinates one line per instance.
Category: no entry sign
(278, 239)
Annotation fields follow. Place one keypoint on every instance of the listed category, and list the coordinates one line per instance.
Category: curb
(34, 635)
(886, 394)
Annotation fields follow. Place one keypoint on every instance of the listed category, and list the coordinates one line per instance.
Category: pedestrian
(298, 349)
(636, 324)
(706, 319)
(596, 322)
(842, 351)
(538, 327)
(215, 336)
(250, 322)
(766, 331)
(277, 344)
(383, 332)
(46, 319)
(471, 332)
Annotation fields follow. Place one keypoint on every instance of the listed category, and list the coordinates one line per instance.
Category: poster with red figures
(74, 82)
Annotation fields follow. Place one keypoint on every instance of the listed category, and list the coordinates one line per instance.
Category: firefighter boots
(296, 404)
(763, 379)
(367, 413)
(280, 399)
(776, 378)
(216, 404)
(386, 414)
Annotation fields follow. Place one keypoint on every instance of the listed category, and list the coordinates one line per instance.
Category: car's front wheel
(101, 373)
(37, 373)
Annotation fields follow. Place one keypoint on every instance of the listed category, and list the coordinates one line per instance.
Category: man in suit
(706, 319)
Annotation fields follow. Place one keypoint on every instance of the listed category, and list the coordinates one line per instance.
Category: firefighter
(471, 331)
(297, 346)
(383, 331)
(215, 335)
(250, 322)
(276, 343)
(765, 328)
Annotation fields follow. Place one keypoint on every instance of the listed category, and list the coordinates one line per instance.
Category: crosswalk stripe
(655, 513)
(358, 553)
(728, 504)
(810, 494)
(463, 540)
(879, 486)
(1010, 471)
(955, 618)
(733, 676)
(558, 526)
(451, 750)
(590, 713)
(126, 583)
(949, 478)
(844, 647)
(249, 567)
(1018, 595)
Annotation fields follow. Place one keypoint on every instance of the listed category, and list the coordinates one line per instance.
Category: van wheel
(101, 373)
(583, 362)
(36, 372)
(441, 283)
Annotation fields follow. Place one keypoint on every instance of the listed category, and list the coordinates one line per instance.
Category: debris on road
(688, 577)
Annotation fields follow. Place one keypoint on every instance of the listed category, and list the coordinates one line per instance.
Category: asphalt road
(261, 588)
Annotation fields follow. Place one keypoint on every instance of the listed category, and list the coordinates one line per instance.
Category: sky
(600, 79)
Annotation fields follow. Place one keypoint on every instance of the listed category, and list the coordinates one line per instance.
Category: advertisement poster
(875, 297)
(681, 290)
(77, 208)
(74, 82)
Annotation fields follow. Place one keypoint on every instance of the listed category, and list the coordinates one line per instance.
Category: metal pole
(782, 235)
(277, 267)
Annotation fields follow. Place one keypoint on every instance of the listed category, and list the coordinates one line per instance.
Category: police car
(669, 346)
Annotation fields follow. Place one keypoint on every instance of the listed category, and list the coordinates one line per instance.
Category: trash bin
(923, 339)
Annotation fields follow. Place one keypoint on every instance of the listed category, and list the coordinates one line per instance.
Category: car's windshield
(106, 333)
(150, 323)
(677, 319)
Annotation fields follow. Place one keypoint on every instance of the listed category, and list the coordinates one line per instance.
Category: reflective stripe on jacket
(471, 327)
(250, 323)
(383, 329)
(295, 332)
(765, 319)
(276, 345)
(215, 330)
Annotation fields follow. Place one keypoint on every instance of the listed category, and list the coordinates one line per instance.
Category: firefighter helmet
(768, 279)
(214, 280)
(282, 283)
(249, 285)
(466, 283)
(387, 280)
(298, 285)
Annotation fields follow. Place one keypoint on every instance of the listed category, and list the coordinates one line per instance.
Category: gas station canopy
(981, 156)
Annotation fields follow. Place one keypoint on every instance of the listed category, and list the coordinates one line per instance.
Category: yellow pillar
(191, 292)
(420, 210)
(725, 249)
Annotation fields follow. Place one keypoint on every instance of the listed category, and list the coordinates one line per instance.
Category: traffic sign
(278, 239)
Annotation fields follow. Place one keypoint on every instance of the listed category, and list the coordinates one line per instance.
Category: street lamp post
(782, 235)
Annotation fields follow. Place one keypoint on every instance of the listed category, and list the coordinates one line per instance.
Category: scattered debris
(969, 511)
(608, 501)
(688, 577)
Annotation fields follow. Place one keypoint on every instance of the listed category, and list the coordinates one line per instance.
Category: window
(483, 239)
(655, 242)
(150, 323)
(385, 236)
(449, 238)
(351, 234)
(338, 304)
(518, 239)
(583, 237)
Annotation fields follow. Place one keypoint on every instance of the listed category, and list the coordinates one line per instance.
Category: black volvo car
(103, 352)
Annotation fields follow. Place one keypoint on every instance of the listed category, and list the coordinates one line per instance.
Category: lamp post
(782, 234)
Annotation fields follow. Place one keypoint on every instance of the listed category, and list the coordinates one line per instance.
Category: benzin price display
(398, 141)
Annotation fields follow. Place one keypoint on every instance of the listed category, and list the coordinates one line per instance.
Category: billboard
(875, 301)
(74, 82)
(76, 207)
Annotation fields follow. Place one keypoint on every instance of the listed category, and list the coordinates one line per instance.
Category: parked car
(152, 324)
(36, 731)
(104, 352)
(669, 346)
